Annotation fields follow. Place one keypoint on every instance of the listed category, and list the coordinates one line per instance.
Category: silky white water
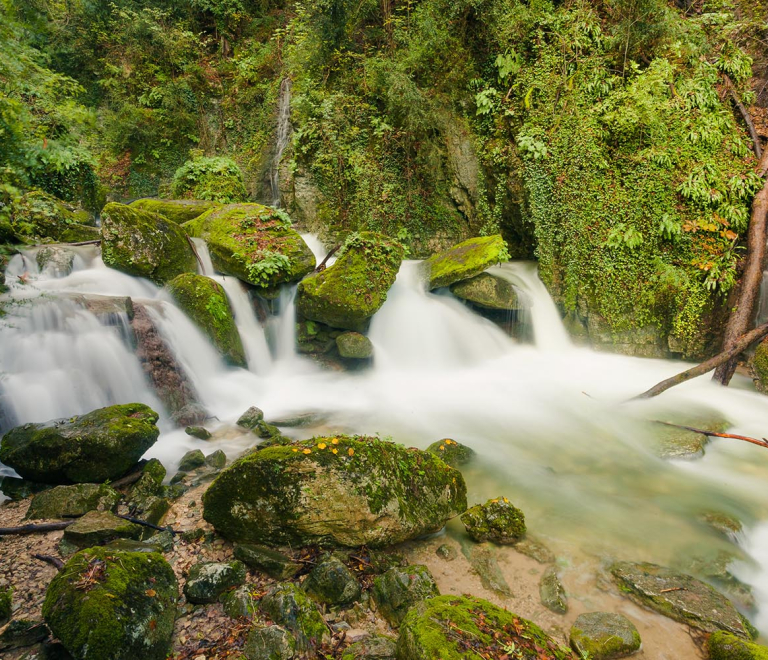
(549, 420)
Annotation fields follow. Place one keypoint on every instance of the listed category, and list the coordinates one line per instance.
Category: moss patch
(175, 210)
(497, 520)
(725, 646)
(465, 260)
(39, 218)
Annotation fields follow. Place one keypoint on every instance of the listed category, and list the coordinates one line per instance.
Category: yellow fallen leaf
(322, 445)
(307, 451)
(351, 451)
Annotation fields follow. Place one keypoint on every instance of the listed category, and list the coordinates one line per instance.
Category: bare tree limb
(35, 528)
(713, 434)
(48, 559)
(197, 256)
(745, 115)
(321, 265)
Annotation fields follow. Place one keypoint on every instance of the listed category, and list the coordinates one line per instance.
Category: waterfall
(281, 138)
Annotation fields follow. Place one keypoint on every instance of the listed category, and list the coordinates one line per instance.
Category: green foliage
(215, 179)
(266, 265)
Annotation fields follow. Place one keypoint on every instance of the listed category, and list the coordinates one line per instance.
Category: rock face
(487, 291)
(351, 291)
(72, 501)
(204, 301)
(680, 597)
(288, 606)
(144, 244)
(459, 627)
(175, 210)
(253, 243)
(452, 452)
(399, 589)
(332, 583)
(354, 345)
(111, 605)
(604, 636)
(88, 448)
(40, 217)
(208, 580)
(465, 260)
(496, 520)
(725, 646)
(344, 490)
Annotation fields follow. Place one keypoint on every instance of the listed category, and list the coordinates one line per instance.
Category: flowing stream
(549, 421)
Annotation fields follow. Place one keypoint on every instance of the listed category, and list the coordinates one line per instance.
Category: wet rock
(452, 452)
(672, 442)
(446, 552)
(95, 447)
(351, 291)
(726, 646)
(110, 604)
(724, 523)
(22, 632)
(316, 339)
(288, 606)
(239, 602)
(444, 627)
(759, 367)
(254, 244)
(375, 647)
(603, 636)
(40, 218)
(199, 432)
(175, 210)
(300, 420)
(355, 346)
(72, 501)
(205, 302)
(269, 643)
(57, 261)
(497, 520)
(488, 292)
(713, 567)
(465, 260)
(6, 603)
(147, 497)
(399, 589)
(251, 418)
(109, 309)
(535, 549)
(552, 592)
(216, 460)
(344, 490)
(484, 563)
(208, 580)
(680, 597)
(330, 582)
(192, 460)
(17, 489)
(273, 563)
(97, 528)
(163, 540)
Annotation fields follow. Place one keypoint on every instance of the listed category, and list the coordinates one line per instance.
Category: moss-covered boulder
(604, 636)
(488, 291)
(330, 582)
(497, 520)
(199, 432)
(144, 244)
(72, 501)
(206, 303)
(111, 605)
(251, 418)
(399, 589)
(97, 528)
(95, 447)
(354, 346)
(175, 210)
(215, 178)
(20, 633)
(725, 646)
(680, 597)
(465, 260)
(452, 452)
(192, 460)
(351, 291)
(345, 490)
(41, 218)
(254, 243)
(466, 628)
(208, 580)
(288, 606)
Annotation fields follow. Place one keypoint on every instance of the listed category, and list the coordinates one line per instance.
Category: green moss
(210, 178)
(175, 210)
(40, 217)
(725, 646)
(604, 636)
(97, 528)
(72, 501)
(451, 452)
(6, 601)
(351, 291)
(497, 520)
(206, 303)
(144, 244)
(288, 606)
(465, 260)
(759, 366)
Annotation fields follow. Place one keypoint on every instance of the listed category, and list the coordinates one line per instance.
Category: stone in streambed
(57, 261)
(208, 580)
(216, 460)
(199, 432)
(288, 606)
(552, 593)
(192, 460)
(269, 561)
(488, 291)
(72, 501)
(240, 602)
(354, 346)
(465, 260)
(497, 520)
(330, 582)
(604, 636)
(250, 418)
(399, 589)
(726, 646)
(269, 643)
(42, 218)
(452, 452)
(97, 528)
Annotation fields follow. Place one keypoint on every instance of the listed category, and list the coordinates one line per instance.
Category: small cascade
(281, 138)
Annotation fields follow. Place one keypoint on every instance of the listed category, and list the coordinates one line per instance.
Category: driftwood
(138, 521)
(127, 480)
(39, 528)
(48, 559)
(321, 266)
(713, 434)
(706, 366)
(745, 116)
(197, 256)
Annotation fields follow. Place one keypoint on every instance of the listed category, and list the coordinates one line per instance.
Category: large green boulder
(144, 244)
(604, 636)
(254, 243)
(467, 628)
(85, 448)
(488, 291)
(111, 605)
(351, 291)
(175, 210)
(206, 303)
(465, 260)
(725, 646)
(344, 490)
(72, 501)
(41, 218)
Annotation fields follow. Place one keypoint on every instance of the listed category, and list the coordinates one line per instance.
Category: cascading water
(281, 140)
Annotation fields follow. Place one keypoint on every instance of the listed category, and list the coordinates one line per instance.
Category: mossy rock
(269, 561)
(355, 346)
(111, 605)
(467, 628)
(288, 606)
(208, 580)
(497, 520)
(399, 589)
(489, 292)
(72, 501)
(6, 604)
(22, 632)
(206, 303)
(192, 460)
(251, 418)
(269, 643)
(345, 490)
(144, 244)
(57, 261)
(17, 489)
(100, 445)
(216, 460)
(759, 367)
(351, 291)
(726, 646)
(39, 217)
(215, 178)
(240, 602)
(175, 210)
(330, 582)
(552, 592)
(680, 597)
(465, 260)
(452, 452)
(604, 636)
(199, 432)
(97, 528)
(679, 443)
(253, 243)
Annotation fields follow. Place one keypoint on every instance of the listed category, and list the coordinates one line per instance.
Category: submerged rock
(253, 243)
(144, 244)
(497, 520)
(175, 210)
(482, 559)
(534, 549)
(330, 582)
(488, 291)
(552, 593)
(680, 597)
(674, 442)
(208, 580)
(111, 605)
(344, 490)
(726, 646)
(56, 260)
(39, 217)
(273, 563)
(206, 303)
(351, 291)
(288, 606)
(354, 345)
(72, 501)
(399, 589)
(465, 260)
(452, 452)
(604, 636)
(95, 447)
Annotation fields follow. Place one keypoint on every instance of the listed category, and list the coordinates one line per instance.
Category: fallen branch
(197, 256)
(700, 369)
(138, 521)
(127, 480)
(745, 115)
(321, 266)
(714, 434)
(39, 528)
(48, 559)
